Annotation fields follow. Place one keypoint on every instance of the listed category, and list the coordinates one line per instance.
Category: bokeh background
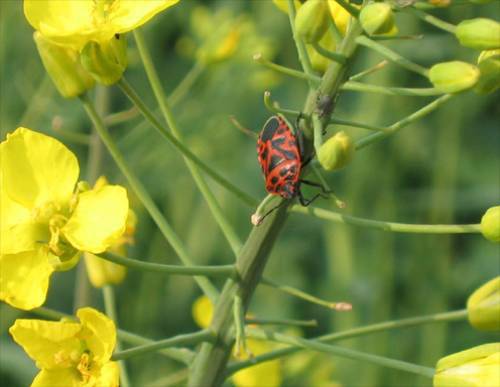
(443, 169)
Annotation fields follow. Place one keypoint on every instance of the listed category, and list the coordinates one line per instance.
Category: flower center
(102, 9)
(83, 366)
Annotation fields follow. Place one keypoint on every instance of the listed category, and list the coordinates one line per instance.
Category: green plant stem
(290, 290)
(299, 43)
(221, 270)
(120, 117)
(388, 226)
(343, 352)
(338, 121)
(210, 363)
(457, 315)
(286, 322)
(377, 67)
(74, 137)
(132, 95)
(213, 205)
(185, 339)
(271, 106)
(180, 354)
(372, 138)
(436, 22)
(318, 132)
(110, 309)
(348, 7)
(401, 91)
(393, 56)
(329, 54)
(144, 197)
(286, 70)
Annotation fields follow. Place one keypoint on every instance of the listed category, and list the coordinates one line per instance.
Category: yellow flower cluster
(46, 218)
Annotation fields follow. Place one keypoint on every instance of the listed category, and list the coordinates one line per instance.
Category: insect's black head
(288, 190)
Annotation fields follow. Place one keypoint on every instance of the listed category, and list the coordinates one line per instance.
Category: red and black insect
(280, 157)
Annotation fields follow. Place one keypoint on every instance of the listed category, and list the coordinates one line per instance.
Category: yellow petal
(62, 377)
(130, 14)
(24, 278)
(52, 344)
(110, 375)
(49, 170)
(98, 220)
(99, 333)
(203, 311)
(102, 272)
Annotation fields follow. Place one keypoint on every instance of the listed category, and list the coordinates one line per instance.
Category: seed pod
(483, 306)
(454, 76)
(63, 67)
(311, 21)
(479, 33)
(336, 152)
(106, 62)
(377, 18)
(490, 224)
(489, 66)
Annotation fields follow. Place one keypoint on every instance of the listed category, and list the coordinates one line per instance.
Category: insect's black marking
(275, 161)
(274, 180)
(270, 129)
(288, 155)
(280, 131)
(283, 171)
(263, 154)
(293, 169)
(277, 142)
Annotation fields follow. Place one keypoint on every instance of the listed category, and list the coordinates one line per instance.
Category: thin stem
(290, 290)
(75, 137)
(393, 56)
(414, 92)
(110, 309)
(286, 322)
(155, 83)
(441, 24)
(209, 271)
(343, 352)
(132, 95)
(372, 138)
(120, 117)
(388, 226)
(271, 106)
(144, 197)
(377, 67)
(366, 330)
(286, 70)
(185, 339)
(183, 355)
(186, 83)
(338, 121)
(301, 47)
(336, 57)
(348, 7)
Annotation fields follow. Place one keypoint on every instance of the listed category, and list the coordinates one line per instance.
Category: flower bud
(489, 66)
(339, 15)
(311, 21)
(490, 224)
(474, 367)
(63, 67)
(377, 18)
(106, 62)
(453, 77)
(336, 152)
(483, 306)
(318, 61)
(479, 33)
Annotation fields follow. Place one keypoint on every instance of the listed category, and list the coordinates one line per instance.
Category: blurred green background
(443, 169)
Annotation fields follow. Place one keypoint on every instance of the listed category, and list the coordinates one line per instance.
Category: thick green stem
(356, 332)
(214, 206)
(145, 198)
(222, 270)
(389, 226)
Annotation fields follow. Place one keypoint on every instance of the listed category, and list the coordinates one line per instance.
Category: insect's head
(288, 190)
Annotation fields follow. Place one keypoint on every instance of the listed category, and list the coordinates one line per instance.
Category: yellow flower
(70, 353)
(44, 224)
(474, 367)
(75, 23)
(339, 15)
(483, 306)
(102, 272)
(268, 373)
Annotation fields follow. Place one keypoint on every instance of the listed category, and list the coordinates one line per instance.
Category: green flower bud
(480, 33)
(490, 224)
(336, 152)
(483, 306)
(377, 18)
(311, 21)
(453, 77)
(63, 67)
(489, 66)
(106, 62)
(474, 367)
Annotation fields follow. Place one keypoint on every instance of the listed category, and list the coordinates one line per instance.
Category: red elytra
(279, 157)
